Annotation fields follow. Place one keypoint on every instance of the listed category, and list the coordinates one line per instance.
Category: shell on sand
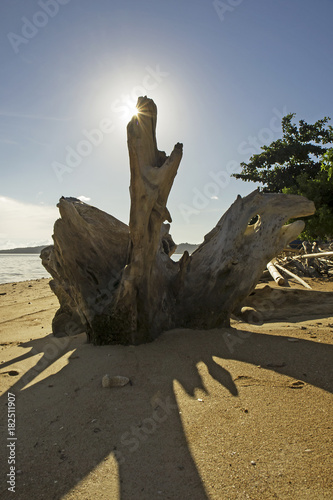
(116, 381)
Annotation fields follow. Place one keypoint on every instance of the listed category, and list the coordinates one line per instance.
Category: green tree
(301, 162)
(327, 163)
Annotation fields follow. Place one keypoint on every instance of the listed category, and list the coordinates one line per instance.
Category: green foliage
(327, 163)
(320, 191)
(299, 163)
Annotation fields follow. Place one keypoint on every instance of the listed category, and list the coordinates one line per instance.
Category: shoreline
(21, 267)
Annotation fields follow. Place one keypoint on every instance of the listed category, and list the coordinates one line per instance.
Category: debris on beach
(309, 261)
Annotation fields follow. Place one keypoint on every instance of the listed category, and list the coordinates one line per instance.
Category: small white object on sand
(116, 381)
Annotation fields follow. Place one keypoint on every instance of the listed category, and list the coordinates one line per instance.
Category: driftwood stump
(118, 283)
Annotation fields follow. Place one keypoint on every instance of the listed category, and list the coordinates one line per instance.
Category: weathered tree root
(118, 282)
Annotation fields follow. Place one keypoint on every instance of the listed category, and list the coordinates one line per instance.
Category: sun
(127, 107)
(132, 109)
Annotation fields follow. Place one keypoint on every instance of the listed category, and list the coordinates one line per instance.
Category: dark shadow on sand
(75, 423)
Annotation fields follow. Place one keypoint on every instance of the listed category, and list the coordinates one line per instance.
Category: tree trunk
(118, 282)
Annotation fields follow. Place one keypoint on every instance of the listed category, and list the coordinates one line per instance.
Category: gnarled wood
(280, 304)
(118, 282)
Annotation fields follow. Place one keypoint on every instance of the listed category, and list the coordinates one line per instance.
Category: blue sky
(221, 73)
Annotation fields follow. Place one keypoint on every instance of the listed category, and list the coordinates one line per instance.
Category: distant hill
(190, 247)
(25, 250)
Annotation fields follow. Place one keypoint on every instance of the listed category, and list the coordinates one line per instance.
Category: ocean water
(21, 267)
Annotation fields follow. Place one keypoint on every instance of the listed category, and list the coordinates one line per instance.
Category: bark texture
(118, 282)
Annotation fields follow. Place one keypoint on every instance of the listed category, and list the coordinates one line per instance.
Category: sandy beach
(239, 413)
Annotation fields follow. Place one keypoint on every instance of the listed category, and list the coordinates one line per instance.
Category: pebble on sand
(116, 381)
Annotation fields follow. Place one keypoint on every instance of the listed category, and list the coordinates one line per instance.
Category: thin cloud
(36, 117)
(8, 141)
(31, 139)
(22, 224)
(83, 198)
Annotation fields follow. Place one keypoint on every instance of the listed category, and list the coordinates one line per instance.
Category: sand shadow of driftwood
(68, 425)
(51, 350)
(268, 304)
